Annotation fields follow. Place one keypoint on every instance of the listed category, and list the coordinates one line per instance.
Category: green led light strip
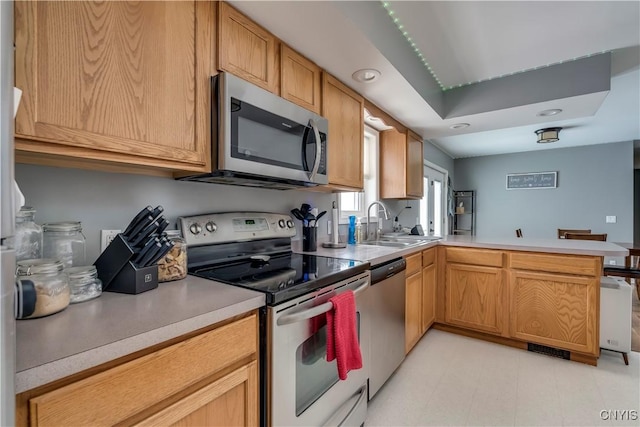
(405, 33)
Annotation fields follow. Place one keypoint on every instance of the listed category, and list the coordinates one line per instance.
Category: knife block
(118, 273)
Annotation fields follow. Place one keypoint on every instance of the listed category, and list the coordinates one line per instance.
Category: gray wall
(435, 155)
(636, 206)
(102, 200)
(593, 181)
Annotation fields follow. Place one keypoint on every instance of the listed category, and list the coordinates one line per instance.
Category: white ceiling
(472, 42)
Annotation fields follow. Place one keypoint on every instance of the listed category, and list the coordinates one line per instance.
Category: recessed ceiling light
(459, 126)
(366, 75)
(551, 112)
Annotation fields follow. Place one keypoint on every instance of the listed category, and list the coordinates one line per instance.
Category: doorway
(433, 216)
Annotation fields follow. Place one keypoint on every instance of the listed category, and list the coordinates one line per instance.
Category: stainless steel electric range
(253, 250)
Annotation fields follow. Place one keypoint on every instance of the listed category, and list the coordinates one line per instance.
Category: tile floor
(449, 379)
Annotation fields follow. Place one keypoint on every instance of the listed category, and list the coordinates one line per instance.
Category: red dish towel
(342, 335)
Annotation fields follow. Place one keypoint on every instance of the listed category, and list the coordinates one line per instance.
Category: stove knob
(290, 224)
(195, 228)
(281, 223)
(211, 227)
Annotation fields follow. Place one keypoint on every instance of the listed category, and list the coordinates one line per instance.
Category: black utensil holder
(309, 239)
(118, 273)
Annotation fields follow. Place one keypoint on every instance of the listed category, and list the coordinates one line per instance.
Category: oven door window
(314, 375)
(260, 136)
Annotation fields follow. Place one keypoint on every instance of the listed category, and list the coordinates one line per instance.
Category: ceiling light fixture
(551, 112)
(366, 75)
(459, 126)
(548, 135)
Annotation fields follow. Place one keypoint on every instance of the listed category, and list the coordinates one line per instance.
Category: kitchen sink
(395, 242)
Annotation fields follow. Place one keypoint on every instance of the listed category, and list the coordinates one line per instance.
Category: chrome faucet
(379, 229)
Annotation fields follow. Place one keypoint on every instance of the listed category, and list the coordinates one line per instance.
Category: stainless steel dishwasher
(387, 299)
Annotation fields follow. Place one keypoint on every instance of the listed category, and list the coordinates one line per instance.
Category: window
(355, 203)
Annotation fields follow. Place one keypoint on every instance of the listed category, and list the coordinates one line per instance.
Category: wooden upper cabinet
(415, 161)
(124, 82)
(246, 50)
(300, 79)
(400, 165)
(344, 109)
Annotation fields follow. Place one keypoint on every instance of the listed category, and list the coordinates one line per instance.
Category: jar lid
(25, 211)
(28, 267)
(62, 226)
(81, 272)
(173, 233)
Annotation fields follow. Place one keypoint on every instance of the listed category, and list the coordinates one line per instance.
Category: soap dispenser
(359, 234)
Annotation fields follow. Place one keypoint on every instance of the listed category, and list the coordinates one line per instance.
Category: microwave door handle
(315, 311)
(316, 163)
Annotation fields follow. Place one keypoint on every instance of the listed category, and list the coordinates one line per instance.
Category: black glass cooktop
(282, 276)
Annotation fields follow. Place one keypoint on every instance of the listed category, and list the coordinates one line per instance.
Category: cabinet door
(413, 311)
(246, 50)
(300, 79)
(555, 310)
(401, 173)
(124, 82)
(393, 164)
(428, 297)
(344, 109)
(230, 401)
(415, 172)
(474, 297)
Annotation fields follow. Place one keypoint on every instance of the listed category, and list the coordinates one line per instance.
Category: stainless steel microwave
(262, 140)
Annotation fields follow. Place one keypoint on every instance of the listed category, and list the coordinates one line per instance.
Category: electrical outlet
(610, 219)
(106, 236)
(612, 262)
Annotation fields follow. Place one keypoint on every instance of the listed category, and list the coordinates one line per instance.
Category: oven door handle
(362, 392)
(317, 310)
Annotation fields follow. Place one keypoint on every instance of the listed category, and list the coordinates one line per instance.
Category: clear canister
(83, 283)
(173, 266)
(50, 282)
(28, 237)
(64, 241)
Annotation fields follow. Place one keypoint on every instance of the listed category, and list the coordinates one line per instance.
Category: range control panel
(228, 227)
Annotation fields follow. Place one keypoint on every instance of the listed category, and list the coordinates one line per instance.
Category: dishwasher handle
(386, 270)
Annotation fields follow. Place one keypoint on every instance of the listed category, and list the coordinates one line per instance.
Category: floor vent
(549, 351)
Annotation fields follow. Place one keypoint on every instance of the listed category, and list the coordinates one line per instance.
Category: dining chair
(585, 236)
(563, 231)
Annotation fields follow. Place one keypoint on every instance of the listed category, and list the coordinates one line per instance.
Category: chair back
(584, 236)
(563, 231)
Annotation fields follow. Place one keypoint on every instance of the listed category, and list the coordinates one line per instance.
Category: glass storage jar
(83, 283)
(64, 241)
(28, 235)
(50, 282)
(173, 266)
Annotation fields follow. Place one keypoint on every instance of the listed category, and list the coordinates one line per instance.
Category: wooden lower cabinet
(555, 310)
(207, 379)
(428, 297)
(475, 297)
(413, 311)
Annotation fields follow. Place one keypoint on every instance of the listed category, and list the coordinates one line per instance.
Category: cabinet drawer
(485, 257)
(428, 257)
(414, 264)
(114, 395)
(570, 264)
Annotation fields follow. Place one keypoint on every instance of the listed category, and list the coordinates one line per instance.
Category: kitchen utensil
(305, 208)
(320, 215)
(134, 222)
(297, 213)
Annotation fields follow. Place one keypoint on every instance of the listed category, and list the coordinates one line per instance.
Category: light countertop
(94, 332)
(88, 334)
(379, 254)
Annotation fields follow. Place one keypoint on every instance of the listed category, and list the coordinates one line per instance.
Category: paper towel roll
(334, 225)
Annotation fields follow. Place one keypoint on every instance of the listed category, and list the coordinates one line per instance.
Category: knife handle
(144, 234)
(151, 253)
(137, 218)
